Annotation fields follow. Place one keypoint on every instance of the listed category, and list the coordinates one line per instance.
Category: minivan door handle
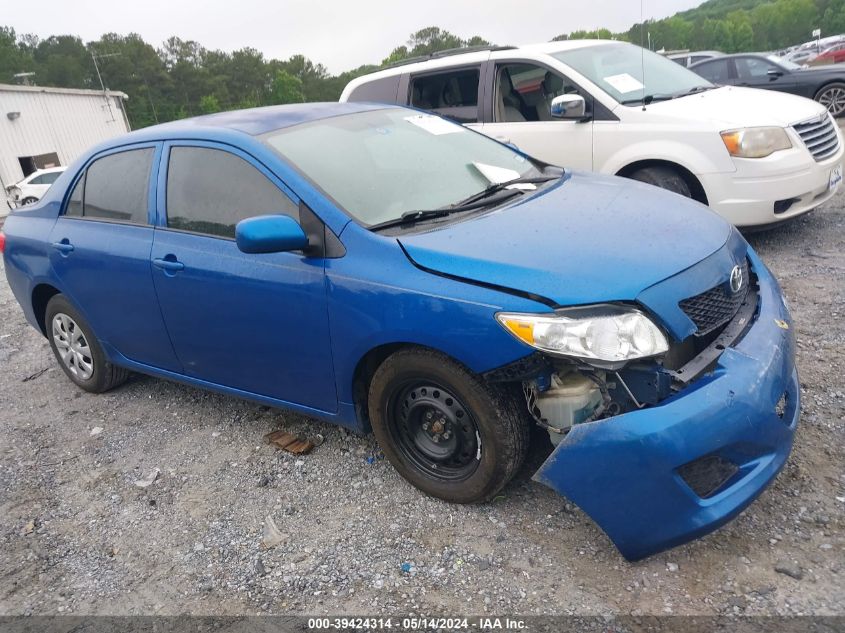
(168, 264)
(64, 247)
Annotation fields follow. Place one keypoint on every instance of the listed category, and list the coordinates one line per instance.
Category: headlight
(610, 334)
(756, 142)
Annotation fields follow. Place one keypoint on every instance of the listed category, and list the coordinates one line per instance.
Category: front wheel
(28, 200)
(76, 348)
(663, 177)
(444, 429)
(832, 97)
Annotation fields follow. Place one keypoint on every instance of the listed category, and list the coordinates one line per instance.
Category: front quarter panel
(378, 297)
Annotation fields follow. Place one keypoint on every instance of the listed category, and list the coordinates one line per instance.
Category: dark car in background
(824, 84)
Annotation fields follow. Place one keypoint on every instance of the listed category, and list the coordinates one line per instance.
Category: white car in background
(756, 157)
(34, 186)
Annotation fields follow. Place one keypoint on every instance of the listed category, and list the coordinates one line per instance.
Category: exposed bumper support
(624, 471)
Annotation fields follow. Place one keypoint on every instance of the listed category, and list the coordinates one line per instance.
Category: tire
(832, 97)
(663, 177)
(71, 338)
(483, 430)
(28, 200)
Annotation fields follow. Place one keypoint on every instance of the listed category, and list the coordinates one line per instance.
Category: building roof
(62, 91)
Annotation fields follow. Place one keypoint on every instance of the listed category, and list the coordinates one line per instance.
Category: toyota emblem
(736, 279)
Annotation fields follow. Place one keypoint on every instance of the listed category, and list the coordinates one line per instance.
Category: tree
(286, 89)
(209, 104)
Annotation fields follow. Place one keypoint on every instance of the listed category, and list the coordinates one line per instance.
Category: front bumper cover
(624, 471)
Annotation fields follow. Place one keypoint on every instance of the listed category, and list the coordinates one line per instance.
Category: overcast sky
(338, 34)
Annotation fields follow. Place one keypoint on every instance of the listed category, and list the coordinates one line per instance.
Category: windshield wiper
(648, 99)
(411, 217)
(499, 186)
(694, 90)
(494, 194)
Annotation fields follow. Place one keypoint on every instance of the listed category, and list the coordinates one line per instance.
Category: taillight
(2, 241)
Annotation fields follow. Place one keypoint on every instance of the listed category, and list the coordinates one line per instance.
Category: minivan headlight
(756, 142)
(604, 333)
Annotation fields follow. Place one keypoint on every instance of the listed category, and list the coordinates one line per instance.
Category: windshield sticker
(497, 175)
(624, 83)
(434, 124)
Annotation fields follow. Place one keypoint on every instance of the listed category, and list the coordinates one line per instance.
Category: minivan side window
(115, 188)
(524, 92)
(209, 191)
(453, 94)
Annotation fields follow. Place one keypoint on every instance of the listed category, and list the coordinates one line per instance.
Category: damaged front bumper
(658, 477)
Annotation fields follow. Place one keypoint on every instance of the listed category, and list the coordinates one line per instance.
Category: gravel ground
(77, 535)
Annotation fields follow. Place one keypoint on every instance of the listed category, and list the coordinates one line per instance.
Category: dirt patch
(78, 535)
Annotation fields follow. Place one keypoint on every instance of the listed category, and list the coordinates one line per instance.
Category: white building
(47, 127)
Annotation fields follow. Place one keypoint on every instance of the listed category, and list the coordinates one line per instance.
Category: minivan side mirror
(270, 234)
(569, 107)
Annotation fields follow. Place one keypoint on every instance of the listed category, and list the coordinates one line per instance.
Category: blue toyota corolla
(388, 270)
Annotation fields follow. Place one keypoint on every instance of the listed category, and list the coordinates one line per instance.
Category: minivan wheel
(832, 97)
(663, 177)
(76, 348)
(445, 430)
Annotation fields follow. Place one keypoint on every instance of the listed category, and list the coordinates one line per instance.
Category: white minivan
(757, 157)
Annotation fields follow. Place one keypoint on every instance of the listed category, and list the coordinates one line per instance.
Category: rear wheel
(445, 430)
(76, 348)
(663, 177)
(832, 97)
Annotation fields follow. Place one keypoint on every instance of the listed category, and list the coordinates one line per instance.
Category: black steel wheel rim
(433, 430)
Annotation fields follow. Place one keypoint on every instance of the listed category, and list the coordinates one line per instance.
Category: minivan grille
(715, 307)
(819, 135)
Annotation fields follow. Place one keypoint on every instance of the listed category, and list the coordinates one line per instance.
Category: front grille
(715, 307)
(819, 135)
(707, 475)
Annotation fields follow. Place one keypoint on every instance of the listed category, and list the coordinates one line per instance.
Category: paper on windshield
(496, 175)
(434, 124)
(624, 83)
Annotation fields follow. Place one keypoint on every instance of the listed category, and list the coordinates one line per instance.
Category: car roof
(252, 121)
(476, 56)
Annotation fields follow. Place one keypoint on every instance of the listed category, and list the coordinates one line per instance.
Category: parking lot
(79, 535)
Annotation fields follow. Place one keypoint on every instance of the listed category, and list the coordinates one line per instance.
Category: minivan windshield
(630, 74)
(380, 164)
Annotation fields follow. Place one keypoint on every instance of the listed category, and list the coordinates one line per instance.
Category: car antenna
(642, 51)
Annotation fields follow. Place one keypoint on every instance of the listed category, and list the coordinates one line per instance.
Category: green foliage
(286, 88)
(430, 40)
(734, 25)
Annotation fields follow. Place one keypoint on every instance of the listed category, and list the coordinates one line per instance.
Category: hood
(734, 107)
(587, 239)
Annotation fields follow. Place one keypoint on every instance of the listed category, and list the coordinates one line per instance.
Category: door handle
(64, 247)
(168, 265)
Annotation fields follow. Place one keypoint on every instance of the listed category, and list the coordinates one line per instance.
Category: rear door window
(453, 94)
(209, 191)
(114, 188)
(716, 71)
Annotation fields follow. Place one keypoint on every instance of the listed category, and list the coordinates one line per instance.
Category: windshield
(619, 69)
(782, 62)
(380, 164)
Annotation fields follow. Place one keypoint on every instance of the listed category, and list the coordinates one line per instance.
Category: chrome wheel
(833, 98)
(72, 347)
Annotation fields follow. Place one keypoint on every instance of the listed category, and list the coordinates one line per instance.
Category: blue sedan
(389, 271)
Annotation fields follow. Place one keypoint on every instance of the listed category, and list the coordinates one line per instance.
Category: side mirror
(270, 234)
(774, 73)
(569, 107)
